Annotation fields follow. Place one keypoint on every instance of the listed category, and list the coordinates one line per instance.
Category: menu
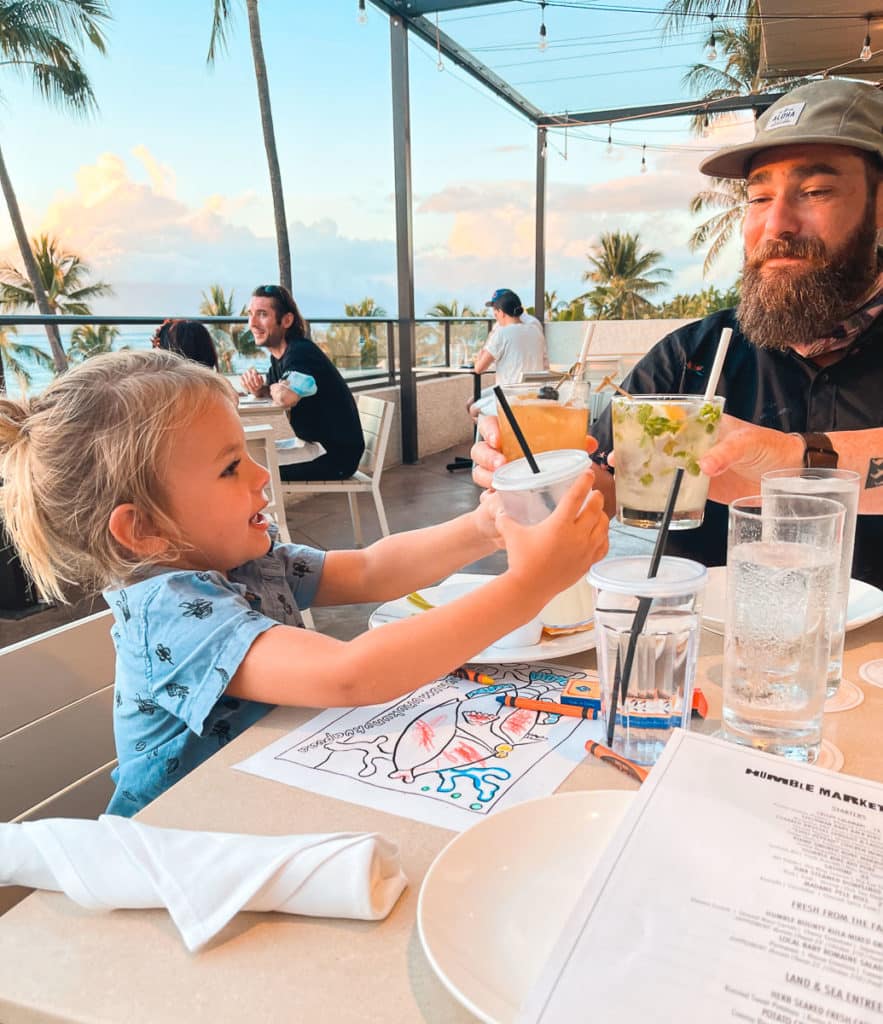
(740, 887)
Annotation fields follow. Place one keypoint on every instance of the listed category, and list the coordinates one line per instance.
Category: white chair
(259, 442)
(376, 418)
(261, 447)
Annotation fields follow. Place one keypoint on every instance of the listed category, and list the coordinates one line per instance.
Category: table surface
(59, 962)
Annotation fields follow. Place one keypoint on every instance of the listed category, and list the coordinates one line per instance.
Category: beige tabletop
(59, 962)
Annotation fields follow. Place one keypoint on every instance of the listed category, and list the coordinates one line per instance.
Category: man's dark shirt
(773, 389)
(330, 416)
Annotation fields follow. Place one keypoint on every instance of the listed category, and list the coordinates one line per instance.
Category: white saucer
(865, 602)
(495, 899)
(847, 697)
(830, 757)
(546, 650)
(872, 672)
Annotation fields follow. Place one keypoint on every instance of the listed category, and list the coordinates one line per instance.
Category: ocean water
(129, 337)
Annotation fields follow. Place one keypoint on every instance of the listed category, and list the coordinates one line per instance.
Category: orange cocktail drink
(549, 418)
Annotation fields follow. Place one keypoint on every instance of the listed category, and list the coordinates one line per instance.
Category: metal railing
(344, 347)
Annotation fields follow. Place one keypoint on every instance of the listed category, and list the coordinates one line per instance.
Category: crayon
(568, 710)
(609, 756)
(473, 676)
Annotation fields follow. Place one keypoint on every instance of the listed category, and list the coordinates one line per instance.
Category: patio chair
(260, 444)
(56, 726)
(375, 415)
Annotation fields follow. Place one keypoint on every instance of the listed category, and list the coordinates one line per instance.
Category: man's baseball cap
(831, 111)
(506, 300)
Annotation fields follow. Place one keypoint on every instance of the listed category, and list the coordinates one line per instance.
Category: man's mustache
(787, 248)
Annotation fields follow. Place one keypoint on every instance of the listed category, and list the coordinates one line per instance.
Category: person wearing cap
(525, 318)
(803, 376)
(513, 347)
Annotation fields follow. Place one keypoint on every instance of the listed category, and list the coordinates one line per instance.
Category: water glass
(529, 497)
(660, 684)
(783, 561)
(839, 485)
(653, 436)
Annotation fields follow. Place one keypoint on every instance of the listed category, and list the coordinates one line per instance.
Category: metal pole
(540, 215)
(401, 131)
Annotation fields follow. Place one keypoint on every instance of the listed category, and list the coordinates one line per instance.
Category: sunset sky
(164, 190)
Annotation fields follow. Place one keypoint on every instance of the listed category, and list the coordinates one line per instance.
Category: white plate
(865, 602)
(495, 900)
(545, 650)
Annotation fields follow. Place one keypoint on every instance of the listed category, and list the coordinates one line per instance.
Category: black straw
(516, 430)
(643, 609)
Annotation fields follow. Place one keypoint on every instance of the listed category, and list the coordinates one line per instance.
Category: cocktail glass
(550, 418)
(653, 436)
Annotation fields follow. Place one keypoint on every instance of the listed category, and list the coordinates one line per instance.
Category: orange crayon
(568, 710)
(609, 756)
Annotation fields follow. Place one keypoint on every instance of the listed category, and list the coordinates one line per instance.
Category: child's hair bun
(13, 416)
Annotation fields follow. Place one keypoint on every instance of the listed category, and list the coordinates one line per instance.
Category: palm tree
(89, 340)
(738, 75)
(40, 40)
(11, 353)
(218, 41)
(451, 309)
(61, 275)
(367, 331)
(624, 277)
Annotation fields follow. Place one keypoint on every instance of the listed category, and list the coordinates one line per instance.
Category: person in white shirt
(516, 345)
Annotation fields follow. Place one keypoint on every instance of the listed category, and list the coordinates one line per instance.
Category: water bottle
(300, 383)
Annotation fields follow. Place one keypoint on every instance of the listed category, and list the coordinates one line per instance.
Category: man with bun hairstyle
(513, 347)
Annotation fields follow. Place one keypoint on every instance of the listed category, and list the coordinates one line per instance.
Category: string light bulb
(543, 42)
(363, 14)
(644, 158)
(866, 48)
(711, 53)
(609, 139)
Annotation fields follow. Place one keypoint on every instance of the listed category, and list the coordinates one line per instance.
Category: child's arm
(301, 667)
(403, 562)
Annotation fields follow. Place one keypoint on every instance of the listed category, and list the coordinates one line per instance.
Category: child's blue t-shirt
(180, 636)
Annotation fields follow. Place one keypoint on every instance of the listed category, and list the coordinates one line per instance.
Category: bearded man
(803, 377)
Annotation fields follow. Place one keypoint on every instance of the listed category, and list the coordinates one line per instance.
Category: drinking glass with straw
(622, 673)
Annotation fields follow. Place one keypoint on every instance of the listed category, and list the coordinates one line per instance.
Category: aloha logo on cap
(785, 117)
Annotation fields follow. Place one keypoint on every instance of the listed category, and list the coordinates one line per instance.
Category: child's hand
(485, 516)
(558, 551)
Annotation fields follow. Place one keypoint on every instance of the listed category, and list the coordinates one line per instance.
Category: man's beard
(785, 306)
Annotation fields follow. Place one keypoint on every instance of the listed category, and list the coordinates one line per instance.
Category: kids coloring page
(447, 754)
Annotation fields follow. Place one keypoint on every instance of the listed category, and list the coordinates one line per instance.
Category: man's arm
(745, 452)
(483, 361)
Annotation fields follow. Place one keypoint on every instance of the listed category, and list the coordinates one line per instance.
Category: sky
(164, 190)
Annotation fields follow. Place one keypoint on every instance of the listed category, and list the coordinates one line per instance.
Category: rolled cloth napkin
(203, 878)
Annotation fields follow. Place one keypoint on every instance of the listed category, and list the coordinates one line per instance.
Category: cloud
(160, 253)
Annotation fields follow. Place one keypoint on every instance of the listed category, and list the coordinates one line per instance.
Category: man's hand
(486, 454)
(743, 453)
(253, 382)
(281, 394)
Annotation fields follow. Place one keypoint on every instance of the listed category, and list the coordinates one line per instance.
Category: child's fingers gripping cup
(529, 498)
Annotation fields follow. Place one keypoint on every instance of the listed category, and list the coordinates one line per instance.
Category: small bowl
(527, 635)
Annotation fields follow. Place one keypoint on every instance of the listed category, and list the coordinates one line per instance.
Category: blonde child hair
(92, 440)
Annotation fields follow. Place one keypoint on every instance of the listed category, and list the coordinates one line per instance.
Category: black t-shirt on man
(781, 390)
(329, 417)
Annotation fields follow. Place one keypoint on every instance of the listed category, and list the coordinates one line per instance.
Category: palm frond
(221, 19)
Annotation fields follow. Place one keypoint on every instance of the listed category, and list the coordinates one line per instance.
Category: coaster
(872, 672)
(847, 697)
(830, 757)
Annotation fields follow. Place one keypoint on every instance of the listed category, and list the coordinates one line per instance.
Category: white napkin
(203, 878)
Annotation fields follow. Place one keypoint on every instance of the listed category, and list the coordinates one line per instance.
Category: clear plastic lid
(628, 575)
(555, 466)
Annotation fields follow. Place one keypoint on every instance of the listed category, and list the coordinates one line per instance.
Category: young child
(130, 473)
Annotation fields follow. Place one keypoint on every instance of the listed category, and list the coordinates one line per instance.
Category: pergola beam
(688, 108)
(451, 49)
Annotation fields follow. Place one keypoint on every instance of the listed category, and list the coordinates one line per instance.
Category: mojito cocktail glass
(653, 436)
